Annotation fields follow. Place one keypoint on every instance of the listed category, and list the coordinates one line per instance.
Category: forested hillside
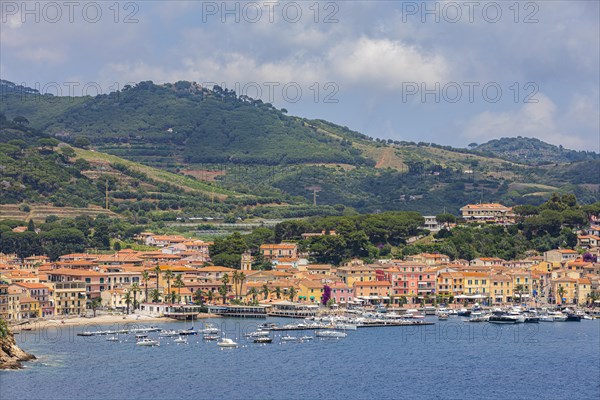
(250, 156)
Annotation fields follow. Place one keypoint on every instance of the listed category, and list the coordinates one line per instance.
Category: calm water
(449, 360)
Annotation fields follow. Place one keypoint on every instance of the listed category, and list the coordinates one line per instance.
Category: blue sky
(405, 70)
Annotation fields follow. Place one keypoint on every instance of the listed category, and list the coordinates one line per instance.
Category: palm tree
(168, 275)
(210, 296)
(266, 291)
(157, 272)
(519, 291)
(241, 280)
(199, 297)
(278, 292)
(561, 293)
(155, 295)
(293, 293)
(253, 292)
(234, 281)
(178, 283)
(96, 303)
(223, 292)
(145, 279)
(127, 300)
(135, 288)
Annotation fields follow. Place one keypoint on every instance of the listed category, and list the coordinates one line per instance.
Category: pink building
(341, 293)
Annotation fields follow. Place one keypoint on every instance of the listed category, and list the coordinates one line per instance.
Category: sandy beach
(115, 320)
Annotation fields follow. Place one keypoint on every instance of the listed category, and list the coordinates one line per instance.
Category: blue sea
(449, 360)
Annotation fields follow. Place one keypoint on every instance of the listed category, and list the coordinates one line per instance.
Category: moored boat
(263, 340)
(226, 342)
(148, 342)
(331, 334)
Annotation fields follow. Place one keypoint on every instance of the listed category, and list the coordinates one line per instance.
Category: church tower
(246, 261)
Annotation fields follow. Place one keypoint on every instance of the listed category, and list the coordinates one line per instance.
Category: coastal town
(178, 272)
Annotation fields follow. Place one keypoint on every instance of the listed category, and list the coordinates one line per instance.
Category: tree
(326, 295)
(145, 279)
(199, 297)
(210, 296)
(20, 120)
(278, 292)
(127, 300)
(241, 280)
(30, 226)
(253, 292)
(168, 275)
(265, 291)
(95, 304)
(178, 283)
(81, 142)
(135, 288)
(293, 293)
(445, 219)
(155, 295)
(234, 281)
(518, 290)
(223, 292)
(561, 293)
(157, 272)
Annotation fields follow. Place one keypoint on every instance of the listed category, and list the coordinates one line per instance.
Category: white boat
(226, 342)
(168, 333)
(345, 326)
(210, 329)
(546, 318)
(288, 338)
(180, 340)
(442, 316)
(112, 339)
(211, 337)
(148, 342)
(305, 338)
(331, 334)
(558, 316)
(256, 334)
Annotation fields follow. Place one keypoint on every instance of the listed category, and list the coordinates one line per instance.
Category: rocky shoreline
(11, 355)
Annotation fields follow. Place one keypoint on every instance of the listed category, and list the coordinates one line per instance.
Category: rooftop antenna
(315, 189)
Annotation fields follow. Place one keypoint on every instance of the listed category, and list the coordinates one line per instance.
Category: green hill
(533, 151)
(180, 147)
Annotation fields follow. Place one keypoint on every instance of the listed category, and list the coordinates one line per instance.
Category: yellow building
(563, 290)
(450, 283)
(502, 288)
(476, 283)
(309, 290)
(374, 290)
(29, 308)
(356, 272)
(584, 288)
(69, 298)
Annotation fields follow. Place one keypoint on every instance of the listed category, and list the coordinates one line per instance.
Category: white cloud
(385, 64)
(537, 120)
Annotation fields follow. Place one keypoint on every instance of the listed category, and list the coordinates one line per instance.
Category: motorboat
(558, 316)
(263, 340)
(226, 342)
(506, 319)
(188, 332)
(532, 319)
(573, 318)
(168, 333)
(112, 339)
(210, 329)
(211, 337)
(346, 326)
(442, 316)
(140, 336)
(463, 312)
(546, 318)
(306, 337)
(148, 342)
(331, 334)
(480, 318)
(181, 340)
(257, 334)
(288, 338)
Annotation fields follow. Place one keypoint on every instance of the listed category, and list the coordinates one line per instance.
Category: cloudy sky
(446, 72)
